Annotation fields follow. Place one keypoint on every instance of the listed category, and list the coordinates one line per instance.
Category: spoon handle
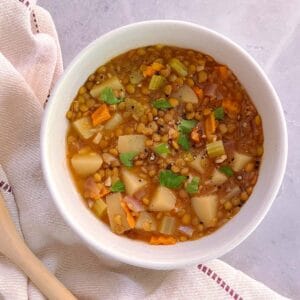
(14, 248)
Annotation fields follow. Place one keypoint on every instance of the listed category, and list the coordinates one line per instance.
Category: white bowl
(97, 235)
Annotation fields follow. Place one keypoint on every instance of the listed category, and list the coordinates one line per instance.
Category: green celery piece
(215, 149)
(178, 66)
(156, 82)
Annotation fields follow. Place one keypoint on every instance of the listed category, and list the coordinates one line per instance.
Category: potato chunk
(199, 164)
(205, 208)
(239, 161)
(114, 83)
(84, 127)
(87, 163)
(132, 182)
(115, 121)
(131, 143)
(218, 178)
(163, 200)
(185, 94)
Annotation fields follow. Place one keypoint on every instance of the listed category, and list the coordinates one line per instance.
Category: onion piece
(134, 204)
(186, 230)
(140, 194)
(91, 187)
(108, 158)
(211, 90)
(233, 192)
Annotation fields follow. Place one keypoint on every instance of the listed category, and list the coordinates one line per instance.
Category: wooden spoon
(14, 248)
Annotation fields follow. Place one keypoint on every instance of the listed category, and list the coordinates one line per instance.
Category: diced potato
(115, 121)
(131, 143)
(205, 208)
(85, 128)
(86, 164)
(218, 178)
(185, 94)
(167, 225)
(132, 182)
(239, 161)
(99, 208)
(199, 164)
(113, 83)
(163, 200)
(146, 221)
(116, 214)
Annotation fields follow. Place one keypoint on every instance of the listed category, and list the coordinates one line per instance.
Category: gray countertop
(270, 32)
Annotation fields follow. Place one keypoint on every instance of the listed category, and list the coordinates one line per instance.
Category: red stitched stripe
(227, 288)
(35, 22)
(5, 186)
(26, 3)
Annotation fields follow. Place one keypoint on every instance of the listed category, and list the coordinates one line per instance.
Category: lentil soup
(164, 144)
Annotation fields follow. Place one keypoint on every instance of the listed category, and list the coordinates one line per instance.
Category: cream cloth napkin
(30, 63)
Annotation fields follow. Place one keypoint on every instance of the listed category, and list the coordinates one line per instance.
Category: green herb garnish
(127, 158)
(226, 170)
(183, 141)
(107, 96)
(162, 149)
(171, 180)
(219, 113)
(118, 186)
(161, 103)
(193, 186)
(186, 126)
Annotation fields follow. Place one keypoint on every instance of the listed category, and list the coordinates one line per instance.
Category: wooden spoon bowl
(14, 248)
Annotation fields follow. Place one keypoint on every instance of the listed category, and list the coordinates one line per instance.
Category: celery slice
(167, 225)
(178, 66)
(99, 208)
(156, 82)
(215, 149)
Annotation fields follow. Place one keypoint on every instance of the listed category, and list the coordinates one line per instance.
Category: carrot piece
(157, 66)
(149, 71)
(195, 136)
(162, 240)
(210, 124)
(100, 115)
(130, 219)
(103, 191)
(231, 106)
(223, 72)
(198, 92)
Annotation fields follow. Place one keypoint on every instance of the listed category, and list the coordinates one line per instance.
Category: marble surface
(270, 32)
